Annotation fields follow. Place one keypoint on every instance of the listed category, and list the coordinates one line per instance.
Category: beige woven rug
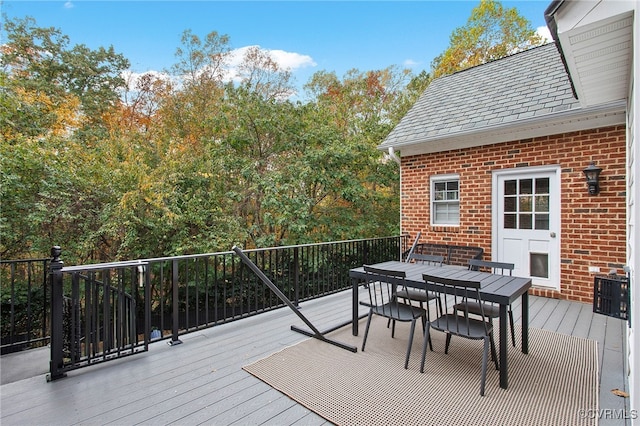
(555, 384)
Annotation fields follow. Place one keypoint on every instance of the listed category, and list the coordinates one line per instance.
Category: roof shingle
(521, 86)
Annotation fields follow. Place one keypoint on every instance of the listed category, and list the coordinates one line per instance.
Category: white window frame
(449, 203)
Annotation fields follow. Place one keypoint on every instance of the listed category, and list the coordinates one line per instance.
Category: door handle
(552, 234)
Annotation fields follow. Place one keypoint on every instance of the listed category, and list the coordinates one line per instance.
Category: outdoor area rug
(556, 383)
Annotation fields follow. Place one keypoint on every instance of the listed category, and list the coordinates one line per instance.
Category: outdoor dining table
(500, 289)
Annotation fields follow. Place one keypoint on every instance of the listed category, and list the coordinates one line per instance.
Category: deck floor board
(201, 381)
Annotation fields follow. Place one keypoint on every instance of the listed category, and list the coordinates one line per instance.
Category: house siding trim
(633, 229)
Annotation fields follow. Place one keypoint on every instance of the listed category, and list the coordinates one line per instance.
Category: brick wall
(593, 230)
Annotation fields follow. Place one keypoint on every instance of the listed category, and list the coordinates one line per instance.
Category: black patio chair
(382, 286)
(408, 294)
(490, 310)
(452, 324)
(420, 295)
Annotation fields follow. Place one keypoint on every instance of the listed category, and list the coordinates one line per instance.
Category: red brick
(593, 228)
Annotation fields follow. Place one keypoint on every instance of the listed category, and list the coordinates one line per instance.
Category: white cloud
(410, 63)
(233, 61)
(68, 5)
(544, 33)
(236, 55)
(286, 60)
(291, 60)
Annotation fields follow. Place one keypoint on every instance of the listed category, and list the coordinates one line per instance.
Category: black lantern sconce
(592, 173)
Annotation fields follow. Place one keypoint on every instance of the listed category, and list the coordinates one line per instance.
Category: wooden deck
(201, 381)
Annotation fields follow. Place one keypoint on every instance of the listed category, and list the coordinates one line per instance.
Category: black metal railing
(187, 293)
(24, 304)
(193, 292)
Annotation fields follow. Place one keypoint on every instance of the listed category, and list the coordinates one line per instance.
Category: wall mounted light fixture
(592, 173)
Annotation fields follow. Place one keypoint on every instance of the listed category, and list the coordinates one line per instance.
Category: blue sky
(307, 36)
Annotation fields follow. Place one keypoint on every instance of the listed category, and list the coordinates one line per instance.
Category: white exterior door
(526, 223)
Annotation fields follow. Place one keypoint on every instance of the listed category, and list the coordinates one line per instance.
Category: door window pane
(525, 204)
(510, 221)
(526, 186)
(542, 186)
(542, 221)
(542, 203)
(510, 204)
(525, 221)
(510, 187)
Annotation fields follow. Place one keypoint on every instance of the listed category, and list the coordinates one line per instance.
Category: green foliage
(61, 87)
(165, 170)
(28, 311)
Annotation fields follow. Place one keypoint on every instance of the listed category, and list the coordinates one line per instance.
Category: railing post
(365, 252)
(296, 277)
(56, 363)
(145, 279)
(175, 305)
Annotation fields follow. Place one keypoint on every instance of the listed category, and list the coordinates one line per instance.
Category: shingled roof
(487, 97)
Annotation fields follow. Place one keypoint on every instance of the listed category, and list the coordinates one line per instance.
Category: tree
(362, 108)
(491, 32)
(61, 87)
(202, 61)
(364, 103)
(55, 100)
(164, 168)
(259, 73)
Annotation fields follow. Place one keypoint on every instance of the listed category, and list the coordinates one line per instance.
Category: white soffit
(597, 43)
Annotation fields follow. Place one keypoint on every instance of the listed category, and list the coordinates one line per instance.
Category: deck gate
(94, 313)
